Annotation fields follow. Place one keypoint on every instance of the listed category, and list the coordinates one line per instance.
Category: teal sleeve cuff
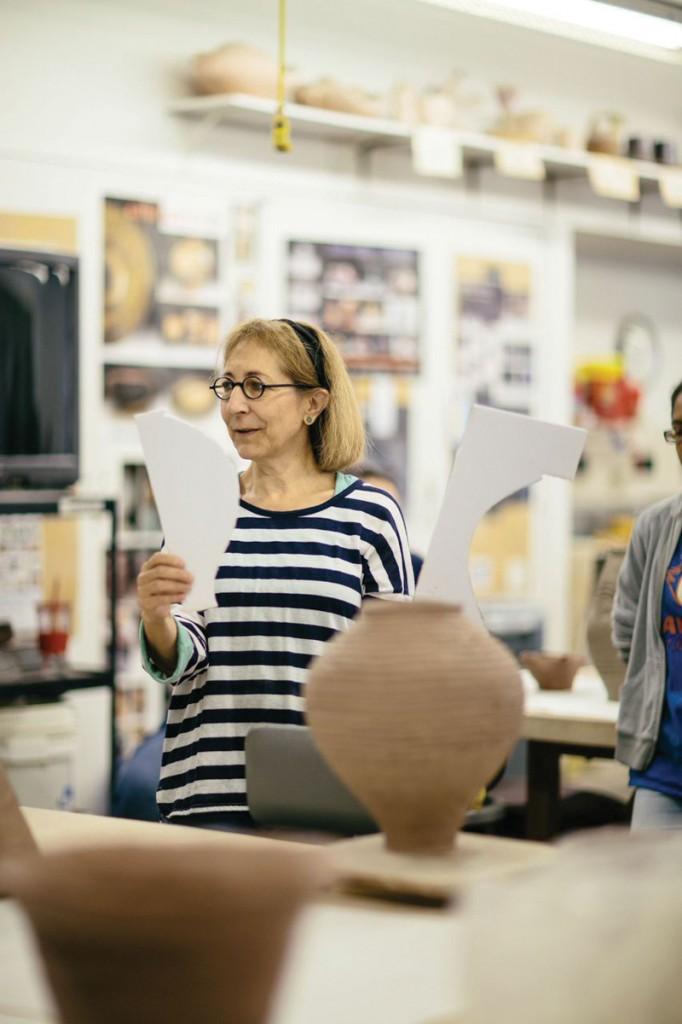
(185, 648)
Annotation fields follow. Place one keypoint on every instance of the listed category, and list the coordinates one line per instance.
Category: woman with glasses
(310, 543)
(647, 630)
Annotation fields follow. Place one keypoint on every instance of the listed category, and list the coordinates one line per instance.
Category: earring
(308, 420)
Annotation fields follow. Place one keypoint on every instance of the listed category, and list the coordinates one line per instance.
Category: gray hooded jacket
(636, 629)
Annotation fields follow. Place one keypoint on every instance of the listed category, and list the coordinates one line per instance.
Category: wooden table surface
(580, 721)
(583, 714)
(350, 960)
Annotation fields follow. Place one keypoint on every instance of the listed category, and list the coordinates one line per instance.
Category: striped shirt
(287, 582)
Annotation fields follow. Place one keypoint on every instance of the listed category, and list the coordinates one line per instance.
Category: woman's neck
(283, 485)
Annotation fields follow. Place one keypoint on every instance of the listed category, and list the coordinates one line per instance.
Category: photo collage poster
(166, 304)
(494, 366)
(367, 299)
(495, 333)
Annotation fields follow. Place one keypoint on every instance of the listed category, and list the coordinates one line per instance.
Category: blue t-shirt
(664, 774)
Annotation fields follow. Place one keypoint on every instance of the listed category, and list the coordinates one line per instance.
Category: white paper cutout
(196, 490)
(500, 453)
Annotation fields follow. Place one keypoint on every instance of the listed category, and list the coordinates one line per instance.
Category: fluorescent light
(597, 22)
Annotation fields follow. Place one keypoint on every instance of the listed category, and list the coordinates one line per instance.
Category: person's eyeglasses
(252, 387)
(673, 436)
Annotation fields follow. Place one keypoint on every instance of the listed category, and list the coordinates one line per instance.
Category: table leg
(543, 784)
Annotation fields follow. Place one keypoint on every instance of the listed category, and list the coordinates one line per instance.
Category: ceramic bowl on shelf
(552, 671)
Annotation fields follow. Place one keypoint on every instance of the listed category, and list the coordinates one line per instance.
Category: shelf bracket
(204, 128)
(549, 187)
(472, 175)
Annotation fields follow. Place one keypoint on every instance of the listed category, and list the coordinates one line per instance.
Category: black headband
(310, 341)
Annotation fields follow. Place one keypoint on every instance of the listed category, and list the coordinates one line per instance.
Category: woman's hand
(163, 580)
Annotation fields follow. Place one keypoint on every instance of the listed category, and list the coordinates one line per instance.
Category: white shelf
(149, 351)
(369, 133)
(139, 540)
(255, 112)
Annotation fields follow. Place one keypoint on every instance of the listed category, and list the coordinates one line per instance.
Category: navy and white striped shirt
(288, 581)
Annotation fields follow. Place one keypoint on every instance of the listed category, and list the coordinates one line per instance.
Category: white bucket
(38, 750)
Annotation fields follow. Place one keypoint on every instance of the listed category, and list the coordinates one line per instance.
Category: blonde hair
(338, 436)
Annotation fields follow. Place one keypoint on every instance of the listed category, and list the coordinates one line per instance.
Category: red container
(54, 626)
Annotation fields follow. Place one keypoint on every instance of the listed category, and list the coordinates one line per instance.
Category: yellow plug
(281, 133)
(479, 800)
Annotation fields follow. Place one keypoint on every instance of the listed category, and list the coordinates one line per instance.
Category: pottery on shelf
(329, 94)
(521, 125)
(16, 839)
(552, 671)
(415, 708)
(235, 67)
(189, 933)
(603, 654)
(605, 134)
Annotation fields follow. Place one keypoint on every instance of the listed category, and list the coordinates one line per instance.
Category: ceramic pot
(236, 67)
(15, 836)
(193, 933)
(415, 708)
(552, 671)
(329, 94)
(603, 654)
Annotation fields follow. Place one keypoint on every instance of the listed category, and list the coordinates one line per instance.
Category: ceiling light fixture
(594, 21)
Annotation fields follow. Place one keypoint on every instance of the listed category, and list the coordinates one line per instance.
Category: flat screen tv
(38, 369)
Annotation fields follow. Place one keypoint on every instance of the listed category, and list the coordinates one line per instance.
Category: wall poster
(366, 298)
(495, 365)
(495, 333)
(385, 404)
(163, 273)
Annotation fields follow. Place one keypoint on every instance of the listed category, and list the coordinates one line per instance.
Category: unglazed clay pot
(332, 95)
(552, 671)
(15, 836)
(415, 708)
(603, 654)
(193, 933)
(235, 67)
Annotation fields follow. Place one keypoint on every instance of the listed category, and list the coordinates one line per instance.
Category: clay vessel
(332, 95)
(604, 134)
(603, 654)
(15, 836)
(193, 933)
(235, 67)
(415, 708)
(552, 671)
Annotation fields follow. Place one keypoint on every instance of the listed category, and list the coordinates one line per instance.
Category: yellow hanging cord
(281, 128)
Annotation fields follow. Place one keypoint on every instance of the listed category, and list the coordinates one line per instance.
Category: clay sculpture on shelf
(605, 134)
(552, 671)
(348, 99)
(188, 933)
(237, 68)
(415, 708)
(604, 655)
(521, 125)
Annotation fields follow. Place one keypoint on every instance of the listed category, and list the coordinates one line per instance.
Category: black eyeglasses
(673, 436)
(252, 387)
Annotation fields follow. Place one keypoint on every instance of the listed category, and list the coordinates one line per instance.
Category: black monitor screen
(38, 369)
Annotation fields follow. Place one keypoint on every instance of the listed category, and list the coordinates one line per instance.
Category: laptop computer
(289, 784)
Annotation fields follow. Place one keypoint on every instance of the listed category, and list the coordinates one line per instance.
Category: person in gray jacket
(647, 630)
